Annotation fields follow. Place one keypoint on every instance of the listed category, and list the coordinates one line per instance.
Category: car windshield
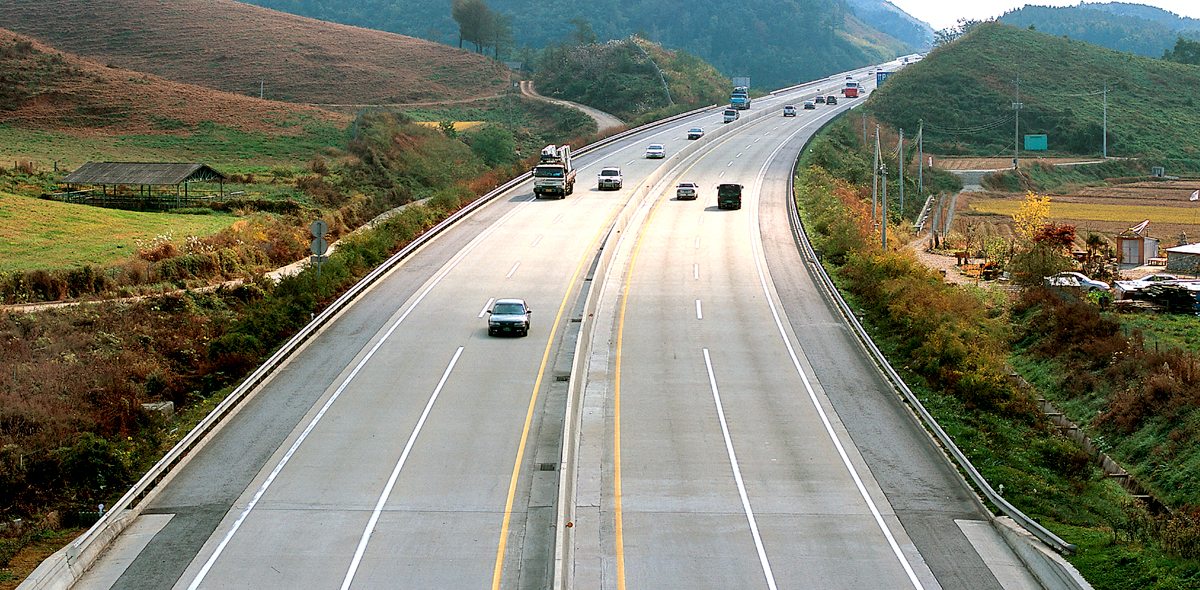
(610, 173)
(548, 172)
(508, 309)
(656, 147)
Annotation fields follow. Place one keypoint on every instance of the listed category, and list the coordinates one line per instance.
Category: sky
(941, 14)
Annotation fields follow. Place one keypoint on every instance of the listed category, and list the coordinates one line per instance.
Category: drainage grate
(547, 466)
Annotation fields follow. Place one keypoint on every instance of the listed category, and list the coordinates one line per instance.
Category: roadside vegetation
(963, 93)
(954, 345)
(73, 429)
(623, 78)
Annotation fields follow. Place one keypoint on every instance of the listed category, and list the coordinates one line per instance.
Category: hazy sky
(945, 13)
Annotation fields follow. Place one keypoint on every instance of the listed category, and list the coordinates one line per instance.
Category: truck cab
(729, 196)
(554, 174)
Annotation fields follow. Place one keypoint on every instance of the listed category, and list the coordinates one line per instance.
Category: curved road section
(732, 434)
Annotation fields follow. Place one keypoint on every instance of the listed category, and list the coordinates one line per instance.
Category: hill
(58, 107)
(1150, 13)
(889, 19)
(1133, 28)
(776, 44)
(48, 89)
(622, 78)
(963, 92)
(240, 48)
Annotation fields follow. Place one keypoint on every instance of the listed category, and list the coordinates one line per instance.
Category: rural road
(603, 120)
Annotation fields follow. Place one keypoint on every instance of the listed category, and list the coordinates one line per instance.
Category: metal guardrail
(811, 261)
(63, 569)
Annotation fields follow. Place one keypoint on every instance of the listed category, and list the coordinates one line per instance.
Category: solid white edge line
(812, 395)
(387, 489)
(737, 475)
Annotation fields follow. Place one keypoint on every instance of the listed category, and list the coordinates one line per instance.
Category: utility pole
(1017, 128)
(920, 157)
(901, 162)
(875, 180)
(261, 83)
(864, 126)
(1106, 119)
(883, 172)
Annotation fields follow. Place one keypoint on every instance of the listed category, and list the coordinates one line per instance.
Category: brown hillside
(231, 46)
(46, 89)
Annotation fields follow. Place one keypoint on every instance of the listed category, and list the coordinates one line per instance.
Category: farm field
(1106, 210)
(43, 234)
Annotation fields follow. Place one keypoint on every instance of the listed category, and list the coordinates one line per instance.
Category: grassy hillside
(235, 47)
(621, 77)
(776, 44)
(58, 108)
(964, 91)
(1122, 32)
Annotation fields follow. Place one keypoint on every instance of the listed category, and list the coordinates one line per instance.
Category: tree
(495, 145)
(950, 34)
(1031, 216)
(474, 19)
(1186, 52)
(584, 35)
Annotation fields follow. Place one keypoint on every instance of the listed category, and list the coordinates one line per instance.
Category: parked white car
(1076, 279)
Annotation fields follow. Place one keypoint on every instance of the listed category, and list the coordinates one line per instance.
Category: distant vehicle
(509, 316)
(656, 150)
(820, 100)
(731, 115)
(1076, 279)
(609, 177)
(695, 133)
(831, 100)
(686, 191)
(808, 105)
(789, 111)
(554, 175)
(729, 196)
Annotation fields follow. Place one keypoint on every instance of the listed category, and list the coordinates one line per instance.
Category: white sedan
(1076, 279)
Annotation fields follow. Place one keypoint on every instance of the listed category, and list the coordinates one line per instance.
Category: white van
(731, 115)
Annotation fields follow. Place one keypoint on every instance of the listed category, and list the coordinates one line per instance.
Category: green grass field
(36, 233)
(226, 149)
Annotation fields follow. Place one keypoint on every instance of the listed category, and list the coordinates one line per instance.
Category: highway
(734, 436)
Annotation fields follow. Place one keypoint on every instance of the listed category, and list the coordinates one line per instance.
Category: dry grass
(65, 92)
(1106, 210)
(232, 47)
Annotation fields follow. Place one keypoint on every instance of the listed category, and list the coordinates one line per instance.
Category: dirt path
(603, 119)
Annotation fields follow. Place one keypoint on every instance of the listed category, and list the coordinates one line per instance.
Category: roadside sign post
(319, 246)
